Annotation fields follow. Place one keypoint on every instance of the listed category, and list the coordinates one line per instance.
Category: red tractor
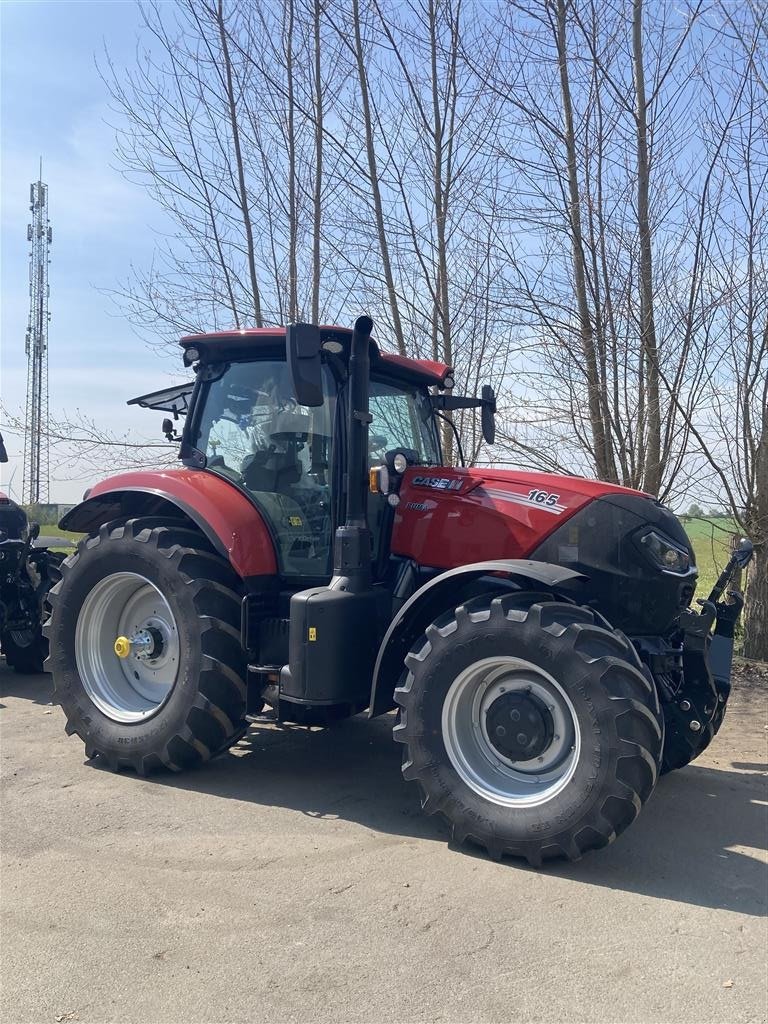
(314, 555)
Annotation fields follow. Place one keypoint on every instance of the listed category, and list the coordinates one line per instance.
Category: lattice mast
(36, 455)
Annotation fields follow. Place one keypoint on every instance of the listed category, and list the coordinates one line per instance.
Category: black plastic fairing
(625, 585)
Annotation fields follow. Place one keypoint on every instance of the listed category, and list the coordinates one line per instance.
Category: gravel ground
(295, 879)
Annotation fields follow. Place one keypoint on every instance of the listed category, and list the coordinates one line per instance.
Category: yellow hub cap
(122, 647)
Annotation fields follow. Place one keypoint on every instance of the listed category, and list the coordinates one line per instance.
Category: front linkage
(693, 672)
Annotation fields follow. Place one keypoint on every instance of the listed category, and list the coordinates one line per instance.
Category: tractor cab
(249, 421)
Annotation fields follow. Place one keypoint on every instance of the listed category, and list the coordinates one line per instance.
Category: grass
(710, 537)
(56, 531)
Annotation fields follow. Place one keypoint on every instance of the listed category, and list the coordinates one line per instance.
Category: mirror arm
(453, 427)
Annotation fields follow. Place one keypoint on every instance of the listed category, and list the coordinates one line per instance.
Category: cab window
(254, 433)
(402, 417)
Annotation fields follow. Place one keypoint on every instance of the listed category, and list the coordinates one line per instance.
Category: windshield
(402, 417)
(254, 433)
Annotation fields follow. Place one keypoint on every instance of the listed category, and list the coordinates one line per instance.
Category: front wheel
(530, 727)
(146, 656)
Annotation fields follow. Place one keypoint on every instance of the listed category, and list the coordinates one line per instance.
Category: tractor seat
(271, 470)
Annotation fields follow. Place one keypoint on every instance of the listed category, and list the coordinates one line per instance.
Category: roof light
(448, 381)
(191, 355)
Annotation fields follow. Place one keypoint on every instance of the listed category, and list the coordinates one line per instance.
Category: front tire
(177, 697)
(531, 728)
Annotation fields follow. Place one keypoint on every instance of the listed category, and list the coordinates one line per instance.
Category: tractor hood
(449, 516)
(613, 536)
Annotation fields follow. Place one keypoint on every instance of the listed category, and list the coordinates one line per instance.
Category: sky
(53, 104)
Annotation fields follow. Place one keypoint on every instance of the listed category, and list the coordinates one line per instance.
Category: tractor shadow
(35, 688)
(697, 841)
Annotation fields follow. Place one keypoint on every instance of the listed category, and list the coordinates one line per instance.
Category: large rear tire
(177, 697)
(531, 728)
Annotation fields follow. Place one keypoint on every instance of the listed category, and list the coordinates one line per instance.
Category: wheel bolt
(522, 739)
(695, 726)
(685, 705)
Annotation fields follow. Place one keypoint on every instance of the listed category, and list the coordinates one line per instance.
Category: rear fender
(232, 524)
(445, 592)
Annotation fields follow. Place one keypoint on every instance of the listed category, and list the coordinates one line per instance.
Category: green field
(711, 540)
(55, 531)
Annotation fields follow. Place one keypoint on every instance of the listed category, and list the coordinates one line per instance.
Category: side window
(401, 418)
(254, 434)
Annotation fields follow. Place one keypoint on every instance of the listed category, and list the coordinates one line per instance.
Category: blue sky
(54, 104)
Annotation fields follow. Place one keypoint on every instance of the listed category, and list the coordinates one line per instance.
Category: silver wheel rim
(479, 764)
(126, 689)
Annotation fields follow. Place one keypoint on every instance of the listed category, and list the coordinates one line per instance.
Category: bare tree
(730, 424)
(600, 101)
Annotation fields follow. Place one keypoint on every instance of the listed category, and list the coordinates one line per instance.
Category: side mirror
(303, 350)
(488, 413)
(34, 531)
(3, 452)
(168, 429)
(742, 556)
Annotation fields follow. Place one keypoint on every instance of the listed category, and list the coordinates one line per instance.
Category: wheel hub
(519, 725)
(511, 731)
(127, 647)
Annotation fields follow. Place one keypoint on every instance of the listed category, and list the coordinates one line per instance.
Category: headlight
(665, 554)
(400, 463)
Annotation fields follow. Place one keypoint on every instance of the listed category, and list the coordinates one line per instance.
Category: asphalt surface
(295, 879)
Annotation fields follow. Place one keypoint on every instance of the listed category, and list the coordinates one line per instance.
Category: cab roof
(245, 340)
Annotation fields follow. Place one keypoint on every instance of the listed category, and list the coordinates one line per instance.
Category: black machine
(26, 575)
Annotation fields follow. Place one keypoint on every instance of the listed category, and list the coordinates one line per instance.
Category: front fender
(440, 593)
(223, 513)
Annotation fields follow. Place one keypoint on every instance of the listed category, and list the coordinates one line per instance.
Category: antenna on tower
(36, 454)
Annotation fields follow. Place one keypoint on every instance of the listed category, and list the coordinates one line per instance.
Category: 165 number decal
(543, 497)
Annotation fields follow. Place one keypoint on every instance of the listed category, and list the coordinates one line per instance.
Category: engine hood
(451, 516)
(549, 482)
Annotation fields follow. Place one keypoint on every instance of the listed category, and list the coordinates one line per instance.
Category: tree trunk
(373, 174)
(756, 607)
(241, 186)
(652, 476)
(756, 603)
(317, 202)
(440, 203)
(606, 470)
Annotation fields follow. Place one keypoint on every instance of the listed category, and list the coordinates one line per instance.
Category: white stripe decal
(523, 499)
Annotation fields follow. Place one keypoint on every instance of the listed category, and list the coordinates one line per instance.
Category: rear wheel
(146, 656)
(530, 728)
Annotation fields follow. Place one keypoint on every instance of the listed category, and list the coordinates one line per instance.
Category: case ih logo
(438, 483)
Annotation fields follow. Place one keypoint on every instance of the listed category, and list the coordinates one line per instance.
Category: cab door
(401, 417)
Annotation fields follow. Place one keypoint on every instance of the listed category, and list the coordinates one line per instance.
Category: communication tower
(36, 455)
